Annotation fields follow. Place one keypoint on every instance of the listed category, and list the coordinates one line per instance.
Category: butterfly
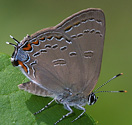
(63, 62)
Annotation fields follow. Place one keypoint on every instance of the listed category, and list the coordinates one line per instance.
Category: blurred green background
(19, 18)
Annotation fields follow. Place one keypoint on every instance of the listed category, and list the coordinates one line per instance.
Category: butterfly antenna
(14, 39)
(108, 82)
(11, 44)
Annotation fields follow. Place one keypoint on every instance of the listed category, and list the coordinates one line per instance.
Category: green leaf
(17, 106)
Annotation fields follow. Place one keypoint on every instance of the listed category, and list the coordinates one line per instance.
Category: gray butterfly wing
(69, 55)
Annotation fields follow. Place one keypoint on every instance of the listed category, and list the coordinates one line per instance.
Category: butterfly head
(19, 55)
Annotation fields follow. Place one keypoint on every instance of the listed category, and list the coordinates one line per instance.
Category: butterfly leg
(69, 109)
(80, 108)
(44, 107)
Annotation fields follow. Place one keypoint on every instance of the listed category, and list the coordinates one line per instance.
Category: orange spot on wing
(36, 42)
(67, 28)
(58, 37)
(77, 23)
(28, 47)
(43, 38)
(23, 66)
(49, 37)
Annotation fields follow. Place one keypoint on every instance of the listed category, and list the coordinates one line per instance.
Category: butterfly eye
(15, 63)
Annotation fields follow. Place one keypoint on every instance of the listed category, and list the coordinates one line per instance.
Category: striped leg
(80, 108)
(69, 109)
(44, 107)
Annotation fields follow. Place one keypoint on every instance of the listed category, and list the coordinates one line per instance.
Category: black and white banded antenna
(108, 82)
(11, 44)
(14, 39)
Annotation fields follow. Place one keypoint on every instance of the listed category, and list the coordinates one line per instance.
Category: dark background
(19, 18)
